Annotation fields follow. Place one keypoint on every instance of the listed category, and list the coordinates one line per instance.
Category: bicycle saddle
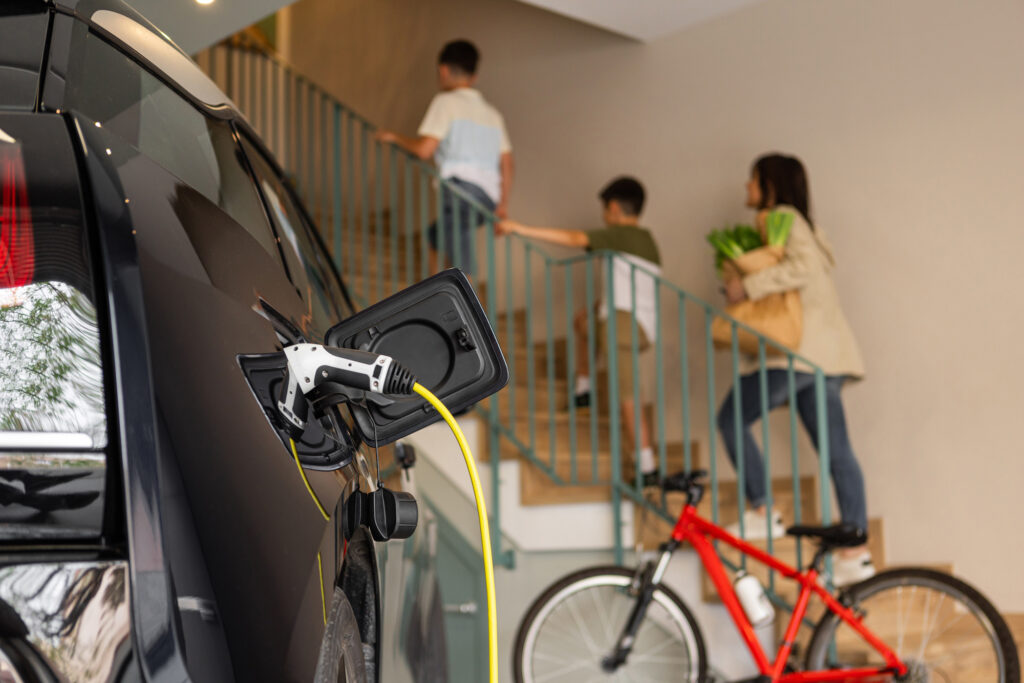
(842, 535)
(683, 481)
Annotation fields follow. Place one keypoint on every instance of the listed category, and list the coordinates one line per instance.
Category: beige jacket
(807, 266)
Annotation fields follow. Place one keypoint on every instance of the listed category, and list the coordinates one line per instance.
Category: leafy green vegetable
(731, 243)
(777, 226)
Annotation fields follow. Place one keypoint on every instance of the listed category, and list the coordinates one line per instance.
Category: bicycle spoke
(584, 633)
(559, 673)
(931, 628)
(608, 632)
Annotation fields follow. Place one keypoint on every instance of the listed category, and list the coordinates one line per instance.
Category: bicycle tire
(968, 600)
(608, 577)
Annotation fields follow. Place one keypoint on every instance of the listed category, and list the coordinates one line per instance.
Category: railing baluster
(350, 192)
(738, 431)
(767, 448)
(474, 270)
(265, 119)
(310, 146)
(684, 380)
(794, 457)
(595, 413)
(275, 106)
(393, 216)
(424, 224)
(634, 345)
(659, 374)
(510, 331)
(255, 91)
(550, 345)
(821, 407)
(336, 177)
(825, 469)
(378, 216)
(709, 350)
(570, 342)
(495, 434)
(614, 445)
(457, 230)
(364, 207)
(229, 74)
(325, 167)
(214, 65)
(410, 264)
(531, 377)
(443, 216)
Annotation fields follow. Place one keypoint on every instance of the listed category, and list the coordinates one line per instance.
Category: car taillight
(17, 247)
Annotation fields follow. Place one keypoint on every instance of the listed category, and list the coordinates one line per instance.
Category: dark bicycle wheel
(576, 622)
(942, 628)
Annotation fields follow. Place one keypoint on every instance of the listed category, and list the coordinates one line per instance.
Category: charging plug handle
(316, 371)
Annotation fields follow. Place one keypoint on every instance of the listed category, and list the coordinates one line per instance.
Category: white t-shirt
(472, 135)
(623, 274)
(636, 260)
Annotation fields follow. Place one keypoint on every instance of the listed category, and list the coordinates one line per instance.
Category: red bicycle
(911, 624)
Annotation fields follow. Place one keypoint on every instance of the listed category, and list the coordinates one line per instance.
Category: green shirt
(628, 239)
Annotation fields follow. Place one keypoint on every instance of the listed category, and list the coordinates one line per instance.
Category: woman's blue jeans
(846, 473)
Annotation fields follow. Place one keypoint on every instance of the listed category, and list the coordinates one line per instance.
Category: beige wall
(908, 115)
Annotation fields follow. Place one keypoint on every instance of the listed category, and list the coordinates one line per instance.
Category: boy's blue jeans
(846, 473)
(469, 219)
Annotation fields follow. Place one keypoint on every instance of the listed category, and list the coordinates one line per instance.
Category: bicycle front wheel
(576, 622)
(942, 629)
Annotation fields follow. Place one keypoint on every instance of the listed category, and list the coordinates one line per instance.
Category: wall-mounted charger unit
(439, 331)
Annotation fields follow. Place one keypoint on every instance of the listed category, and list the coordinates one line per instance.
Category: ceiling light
(205, 2)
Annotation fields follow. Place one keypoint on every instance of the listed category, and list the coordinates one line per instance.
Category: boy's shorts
(624, 344)
(458, 244)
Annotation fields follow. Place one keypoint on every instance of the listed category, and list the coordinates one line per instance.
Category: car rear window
(53, 423)
(22, 40)
(124, 99)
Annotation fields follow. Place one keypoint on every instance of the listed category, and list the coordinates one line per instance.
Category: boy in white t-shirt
(466, 136)
(636, 259)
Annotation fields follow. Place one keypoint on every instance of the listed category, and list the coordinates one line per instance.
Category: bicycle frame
(693, 529)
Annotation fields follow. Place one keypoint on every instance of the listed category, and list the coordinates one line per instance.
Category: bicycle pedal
(756, 679)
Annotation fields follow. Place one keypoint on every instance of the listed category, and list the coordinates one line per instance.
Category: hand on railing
(506, 227)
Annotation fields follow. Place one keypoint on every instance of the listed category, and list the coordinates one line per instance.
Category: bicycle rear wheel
(942, 629)
(576, 622)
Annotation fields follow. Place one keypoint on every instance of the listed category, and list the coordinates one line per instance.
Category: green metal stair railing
(373, 204)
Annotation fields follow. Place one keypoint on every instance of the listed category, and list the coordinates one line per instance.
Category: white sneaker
(755, 526)
(847, 571)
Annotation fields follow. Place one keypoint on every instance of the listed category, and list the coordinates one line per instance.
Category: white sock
(647, 462)
(582, 384)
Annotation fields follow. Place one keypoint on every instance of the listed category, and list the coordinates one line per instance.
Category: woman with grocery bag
(783, 287)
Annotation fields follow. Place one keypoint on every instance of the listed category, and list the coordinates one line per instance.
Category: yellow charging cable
(320, 507)
(485, 534)
(302, 473)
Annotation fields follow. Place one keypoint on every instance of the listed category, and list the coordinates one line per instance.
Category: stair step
(537, 488)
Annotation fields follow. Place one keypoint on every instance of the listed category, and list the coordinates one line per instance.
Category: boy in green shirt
(622, 201)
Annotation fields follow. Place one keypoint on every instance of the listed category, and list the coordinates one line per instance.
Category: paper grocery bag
(777, 316)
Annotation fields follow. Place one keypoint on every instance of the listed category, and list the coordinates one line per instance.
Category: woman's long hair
(783, 180)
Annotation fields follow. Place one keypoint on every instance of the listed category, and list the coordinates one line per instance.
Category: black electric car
(154, 525)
